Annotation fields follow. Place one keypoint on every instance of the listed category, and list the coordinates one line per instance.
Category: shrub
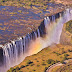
(34, 70)
(26, 65)
(12, 69)
(43, 63)
(17, 68)
(27, 68)
(57, 53)
(69, 50)
(62, 61)
(50, 61)
(29, 62)
(22, 66)
(38, 65)
(63, 51)
(37, 61)
(65, 58)
(56, 61)
(35, 58)
(32, 64)
(66, 55)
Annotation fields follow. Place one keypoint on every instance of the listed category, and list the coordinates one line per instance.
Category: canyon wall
(66, 37)
(48, 33)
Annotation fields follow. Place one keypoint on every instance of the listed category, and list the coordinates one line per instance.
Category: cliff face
(66, 36)
(1, 56)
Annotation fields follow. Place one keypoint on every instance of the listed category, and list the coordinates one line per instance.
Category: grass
(43, 59)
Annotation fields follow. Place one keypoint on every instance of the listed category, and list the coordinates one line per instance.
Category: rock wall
(66, 37)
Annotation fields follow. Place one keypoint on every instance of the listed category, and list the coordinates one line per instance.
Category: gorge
(48, 33)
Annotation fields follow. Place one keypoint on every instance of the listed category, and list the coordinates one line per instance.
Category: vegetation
(62, 61)
(41, 4)
(50, 61)
(69, 26)
(45, 69)
(17, 68)
(29, 62)
(45, 58)
(22, 66)
(70, 50)
(57, 53)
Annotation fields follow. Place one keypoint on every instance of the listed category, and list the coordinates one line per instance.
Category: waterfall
(47, 33)
(38, 33)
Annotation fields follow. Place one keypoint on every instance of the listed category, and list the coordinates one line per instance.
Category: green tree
(50, 61)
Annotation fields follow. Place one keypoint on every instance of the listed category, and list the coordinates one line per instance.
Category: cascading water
(48, 33)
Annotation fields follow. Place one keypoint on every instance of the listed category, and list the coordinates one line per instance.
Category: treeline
(27, 0)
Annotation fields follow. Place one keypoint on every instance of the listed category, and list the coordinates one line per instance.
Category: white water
(17, 50)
